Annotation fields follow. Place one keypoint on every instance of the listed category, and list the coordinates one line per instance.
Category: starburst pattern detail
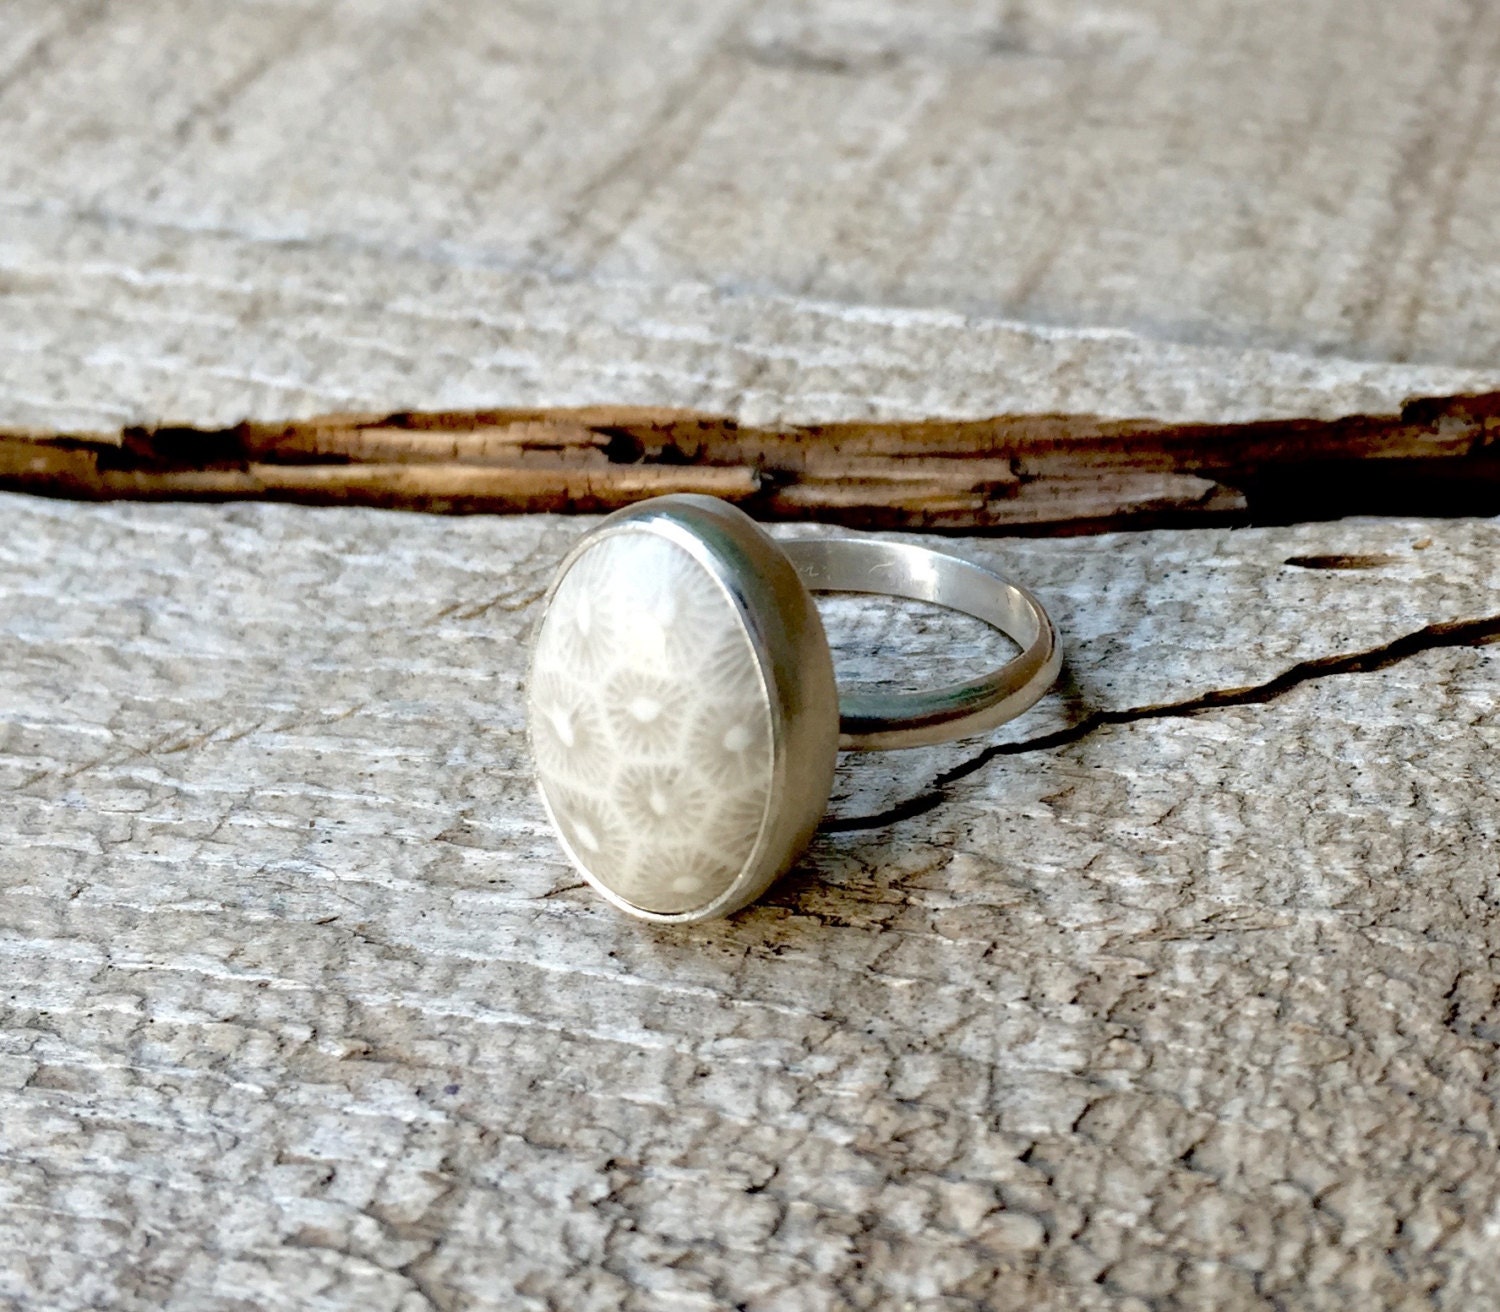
(650, 723)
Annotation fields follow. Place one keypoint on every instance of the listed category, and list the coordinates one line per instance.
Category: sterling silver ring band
(882, 721)
(681, 706)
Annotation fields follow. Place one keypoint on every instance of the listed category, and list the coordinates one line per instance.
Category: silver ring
(682, 711)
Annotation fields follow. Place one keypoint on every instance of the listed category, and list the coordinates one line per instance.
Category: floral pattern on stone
(650, 723)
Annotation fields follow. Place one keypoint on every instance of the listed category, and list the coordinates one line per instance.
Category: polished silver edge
(891, 721)
(791, 815)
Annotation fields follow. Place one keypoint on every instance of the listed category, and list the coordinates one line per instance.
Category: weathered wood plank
(303, 1009)
(793, 213)
(1179, 994)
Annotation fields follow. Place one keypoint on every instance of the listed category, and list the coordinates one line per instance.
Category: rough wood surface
(1181, 995)
(788, 213)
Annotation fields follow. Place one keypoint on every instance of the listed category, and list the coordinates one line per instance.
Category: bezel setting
(776, 613)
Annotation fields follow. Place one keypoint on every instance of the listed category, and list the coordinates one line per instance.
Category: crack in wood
(1036, 473)
(1434, 637)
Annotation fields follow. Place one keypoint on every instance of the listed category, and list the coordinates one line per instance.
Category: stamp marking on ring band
(682, 709)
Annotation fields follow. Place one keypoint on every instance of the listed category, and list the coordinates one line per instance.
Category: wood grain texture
(1139, 1007)
(800, 212)
(1182, 993)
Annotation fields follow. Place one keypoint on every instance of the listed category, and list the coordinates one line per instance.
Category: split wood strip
(1021, 473)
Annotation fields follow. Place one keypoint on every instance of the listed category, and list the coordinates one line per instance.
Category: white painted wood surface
(803, 210)
(303, 1009)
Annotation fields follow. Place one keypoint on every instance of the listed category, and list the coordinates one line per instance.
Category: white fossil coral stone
(651, 724)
